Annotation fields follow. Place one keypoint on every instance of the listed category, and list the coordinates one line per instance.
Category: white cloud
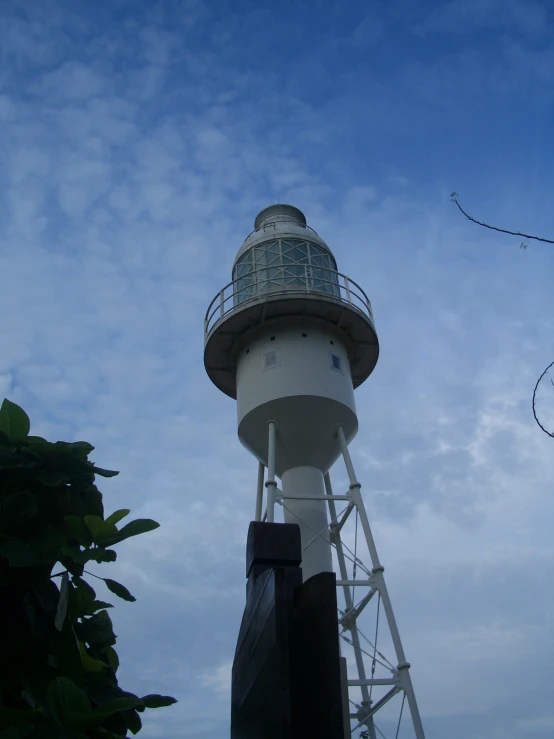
(219, 679)
(136, 152)
(543, 722)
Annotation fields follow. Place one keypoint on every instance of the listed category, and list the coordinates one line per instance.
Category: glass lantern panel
(295, 252)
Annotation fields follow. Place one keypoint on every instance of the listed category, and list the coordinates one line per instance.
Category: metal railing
(256, 286)
(265, 225)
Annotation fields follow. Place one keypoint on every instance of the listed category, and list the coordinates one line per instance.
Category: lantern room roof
(280, 222)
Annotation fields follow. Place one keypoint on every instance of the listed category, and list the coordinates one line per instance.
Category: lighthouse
(290, 338)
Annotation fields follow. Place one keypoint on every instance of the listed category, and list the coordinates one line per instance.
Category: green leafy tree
(58, 664)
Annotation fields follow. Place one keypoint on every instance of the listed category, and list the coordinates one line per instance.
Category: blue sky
(138, 142)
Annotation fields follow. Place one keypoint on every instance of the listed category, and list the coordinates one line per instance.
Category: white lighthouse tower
(290, 338)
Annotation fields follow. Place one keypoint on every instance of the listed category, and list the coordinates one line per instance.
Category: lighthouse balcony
(286, 282)
(271, 296)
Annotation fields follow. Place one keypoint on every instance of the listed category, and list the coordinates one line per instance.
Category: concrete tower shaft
(296, 373)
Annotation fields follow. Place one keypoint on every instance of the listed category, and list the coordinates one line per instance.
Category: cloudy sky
(138, 140)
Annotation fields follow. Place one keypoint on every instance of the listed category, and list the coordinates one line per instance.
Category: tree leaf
(116, 516)
(76, 554)
(83, 596)
(75, 569)
(14, 422)
(62, 602)
(14, 460)
(82, 556)
(79, 530)
(93, 524)
(49, 542)
(98, 629)
(103, 555)
(20, 554)
(96, 605)
(89, 663)
(40, 448)
(38, 443)
(132, 719)
(81, 449)
(158, 701)
(53, 478)
(13, 716)
(119, 590)
(68, 655)
(47, 594)
(104, 473)
(103, 687)
(115, 706)
(113, 658)
(107, 531)
(136, 527)
(20, 731)
(67, 703)
(17, 508)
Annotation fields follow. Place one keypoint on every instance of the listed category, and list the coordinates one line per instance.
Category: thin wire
(359, 726)
(400, 717)
(392, 667)
(367, 654)
(359, 607)
(318, 534)
(360, 563)
(375, 644)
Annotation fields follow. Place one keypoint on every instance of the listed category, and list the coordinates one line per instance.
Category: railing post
(347, 288)
(221, 302)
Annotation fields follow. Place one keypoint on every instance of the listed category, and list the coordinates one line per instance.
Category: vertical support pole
(377, 571)
(260, 492)
(221, 302)
(349, 601)
(271, 484)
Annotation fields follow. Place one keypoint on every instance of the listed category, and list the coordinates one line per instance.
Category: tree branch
(454, 198)
(546, 431)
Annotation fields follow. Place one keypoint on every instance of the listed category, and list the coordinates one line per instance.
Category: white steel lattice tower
(290, 338)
